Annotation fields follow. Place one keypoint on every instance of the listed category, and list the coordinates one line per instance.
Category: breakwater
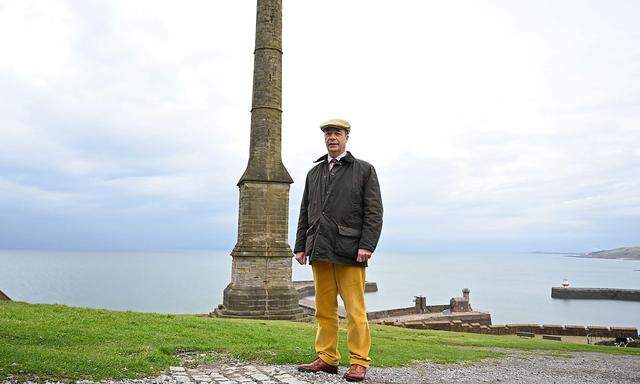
(405, 311)
(458, 309)
(596, 293)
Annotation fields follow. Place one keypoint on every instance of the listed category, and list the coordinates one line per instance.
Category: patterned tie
(331, 165)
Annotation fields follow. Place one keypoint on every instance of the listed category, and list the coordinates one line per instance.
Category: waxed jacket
(339, 213)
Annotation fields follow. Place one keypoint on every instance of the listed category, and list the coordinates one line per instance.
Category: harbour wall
(405, 311)
(430, 313)
(596, 293)
(512, 329)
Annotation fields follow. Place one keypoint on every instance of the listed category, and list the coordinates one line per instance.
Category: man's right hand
(301, 257)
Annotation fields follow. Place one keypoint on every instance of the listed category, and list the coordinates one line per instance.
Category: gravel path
(516, 367)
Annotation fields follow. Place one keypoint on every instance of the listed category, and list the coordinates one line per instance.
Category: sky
(494, 126)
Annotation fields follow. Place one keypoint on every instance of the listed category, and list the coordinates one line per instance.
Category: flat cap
(336, 123)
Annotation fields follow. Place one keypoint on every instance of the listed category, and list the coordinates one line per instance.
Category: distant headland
(625, 253)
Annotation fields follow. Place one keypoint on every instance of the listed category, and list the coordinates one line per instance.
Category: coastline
(623, 253)
(610, 257)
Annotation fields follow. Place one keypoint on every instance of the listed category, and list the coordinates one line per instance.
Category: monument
(261, 285)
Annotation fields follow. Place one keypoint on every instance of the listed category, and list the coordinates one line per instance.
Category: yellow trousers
(349, 281)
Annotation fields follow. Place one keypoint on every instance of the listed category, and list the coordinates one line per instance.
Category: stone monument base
(274, 303)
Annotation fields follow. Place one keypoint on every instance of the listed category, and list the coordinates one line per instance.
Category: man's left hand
(363, 255)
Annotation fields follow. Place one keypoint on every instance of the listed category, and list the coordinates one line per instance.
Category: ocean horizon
(513, 287)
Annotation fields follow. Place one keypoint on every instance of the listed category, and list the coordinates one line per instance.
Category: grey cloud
(488, 132)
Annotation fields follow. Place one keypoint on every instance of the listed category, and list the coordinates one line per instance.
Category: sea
(513, 287)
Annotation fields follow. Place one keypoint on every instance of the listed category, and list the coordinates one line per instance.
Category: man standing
(338, 230)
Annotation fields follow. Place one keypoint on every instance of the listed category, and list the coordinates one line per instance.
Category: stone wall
(459, 304)
(392, 313)
(512, 329)
(442, 322)
(405, 311)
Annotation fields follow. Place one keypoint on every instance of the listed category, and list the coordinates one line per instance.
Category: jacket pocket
(347, 242)
(310, 237)
(309, 230)
(308, 244)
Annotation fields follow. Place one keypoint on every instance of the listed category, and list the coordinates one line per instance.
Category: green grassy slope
(55, 341)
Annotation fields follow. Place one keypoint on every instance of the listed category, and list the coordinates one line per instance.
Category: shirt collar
(347, 156)
(340, 156)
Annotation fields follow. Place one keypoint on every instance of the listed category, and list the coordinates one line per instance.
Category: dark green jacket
(339, 213)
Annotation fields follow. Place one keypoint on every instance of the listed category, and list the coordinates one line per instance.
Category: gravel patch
(536, 368)
(515, 367)
(521, 368)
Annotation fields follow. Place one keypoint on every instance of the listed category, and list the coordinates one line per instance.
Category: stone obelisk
(261, 284)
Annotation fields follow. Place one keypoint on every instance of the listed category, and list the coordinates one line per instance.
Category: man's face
(336, 141)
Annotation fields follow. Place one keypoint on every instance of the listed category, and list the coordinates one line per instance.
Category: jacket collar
(348, 158)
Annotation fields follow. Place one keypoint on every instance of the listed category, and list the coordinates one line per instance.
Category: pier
(595, 293)
(458, 309)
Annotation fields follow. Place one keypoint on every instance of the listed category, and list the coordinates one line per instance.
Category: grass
(60, 342)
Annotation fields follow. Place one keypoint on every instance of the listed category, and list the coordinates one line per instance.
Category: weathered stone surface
(263, 220)
(593, 330)
(531, 328)
(498, 330)
(438, 325)
(456, 325)
(624, 332)
(459, 304)
(575, 330)
(414, 324)
(265, 161)
(261, 284)
(552, 329)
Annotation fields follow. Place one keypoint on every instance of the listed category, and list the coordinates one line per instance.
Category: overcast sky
(493, 125)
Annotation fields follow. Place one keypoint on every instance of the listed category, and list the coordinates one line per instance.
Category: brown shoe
(318, 365)
(355, 373)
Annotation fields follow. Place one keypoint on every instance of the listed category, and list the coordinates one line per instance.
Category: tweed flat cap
(336, 123)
